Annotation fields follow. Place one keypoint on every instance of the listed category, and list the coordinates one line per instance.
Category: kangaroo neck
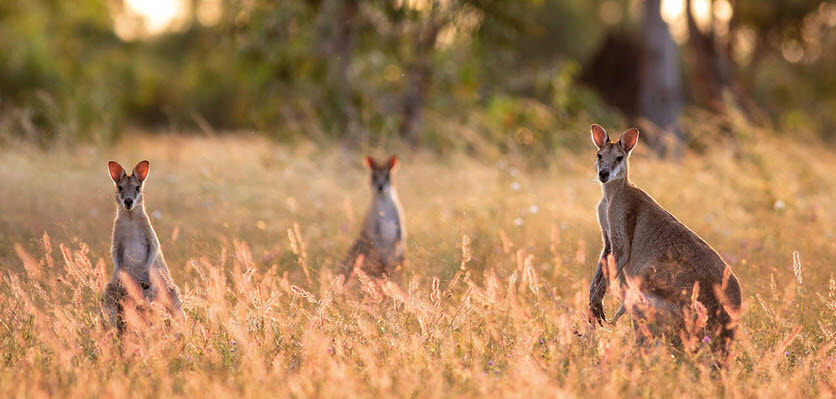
(134, 215)
(613, 188)
(384, 198)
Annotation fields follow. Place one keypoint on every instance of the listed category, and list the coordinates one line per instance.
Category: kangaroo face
(128, 187)
(612, 155)
(381, 174)
(611, 163)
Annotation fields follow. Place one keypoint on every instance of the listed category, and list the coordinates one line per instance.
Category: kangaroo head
(381, 173)
(612, 155)
(128, 187)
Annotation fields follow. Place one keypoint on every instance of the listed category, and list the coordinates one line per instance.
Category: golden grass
(492, 302)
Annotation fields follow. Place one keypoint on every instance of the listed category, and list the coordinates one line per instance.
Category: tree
(338, 55)
(660, 85)
(419, 77)
(711, 70)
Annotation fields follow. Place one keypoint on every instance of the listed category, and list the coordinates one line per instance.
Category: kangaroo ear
(629, 139)
(393, 163)
(141, 170)
(370, 163)
(116, 171)
(599, 135)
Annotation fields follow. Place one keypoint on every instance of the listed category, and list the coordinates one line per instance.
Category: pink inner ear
(599, 135)
(393, 162)
(141, 170)
(370, 162)
(629, 139)
(116, 170)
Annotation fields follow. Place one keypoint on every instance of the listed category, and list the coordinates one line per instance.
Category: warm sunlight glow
(143, 18)
(701, 10)
(792, 51)
(157, 14)
(673, 12)
(744, 43)
(723, 10)
(209, 12)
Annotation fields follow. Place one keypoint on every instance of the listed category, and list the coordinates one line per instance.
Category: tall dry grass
(492, 302)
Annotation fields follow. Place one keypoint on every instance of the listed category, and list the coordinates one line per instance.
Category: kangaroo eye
(120, 188)
(619, 158)
(137, 188)
(599, 156)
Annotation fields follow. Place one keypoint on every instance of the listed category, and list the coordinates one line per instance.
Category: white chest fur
(133, 245)
(383, 224)
(134, 250)
(387, 231)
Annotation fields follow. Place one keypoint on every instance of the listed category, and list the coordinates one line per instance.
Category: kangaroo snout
(380, 188)
(603, 176)
(129, 203)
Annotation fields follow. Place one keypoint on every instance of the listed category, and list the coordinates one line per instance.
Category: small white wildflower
(515, 186)
(779, 205)
(533, 208)
(518, 222)
(157, 214)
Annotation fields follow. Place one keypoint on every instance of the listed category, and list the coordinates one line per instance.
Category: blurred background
(524, 75)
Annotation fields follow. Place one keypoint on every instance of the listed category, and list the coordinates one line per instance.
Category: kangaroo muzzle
(603, 176)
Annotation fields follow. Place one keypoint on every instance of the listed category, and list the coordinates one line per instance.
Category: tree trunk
(419, 77)
(339, 62)
(711, 68)
(660, 84)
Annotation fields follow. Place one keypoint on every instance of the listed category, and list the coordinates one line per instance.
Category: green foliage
(55, 84)
(324, 69)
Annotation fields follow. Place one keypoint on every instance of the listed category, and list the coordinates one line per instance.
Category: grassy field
(500, 251)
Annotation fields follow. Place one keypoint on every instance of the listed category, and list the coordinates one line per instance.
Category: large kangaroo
(136, 249)
(382, 240)
(662, 257)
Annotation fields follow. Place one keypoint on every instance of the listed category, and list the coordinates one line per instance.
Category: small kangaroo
(136, 249)
(653, 248)
(382, 240)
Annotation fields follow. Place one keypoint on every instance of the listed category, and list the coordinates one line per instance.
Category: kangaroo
(382, 239)
(665, 259)
(136, 250)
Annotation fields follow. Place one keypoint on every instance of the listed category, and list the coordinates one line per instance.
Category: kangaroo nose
(128, 203)
(380, 187)
(603, 175)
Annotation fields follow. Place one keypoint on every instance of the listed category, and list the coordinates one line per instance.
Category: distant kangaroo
(136, 249)
(382, 240)
(654, 249)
